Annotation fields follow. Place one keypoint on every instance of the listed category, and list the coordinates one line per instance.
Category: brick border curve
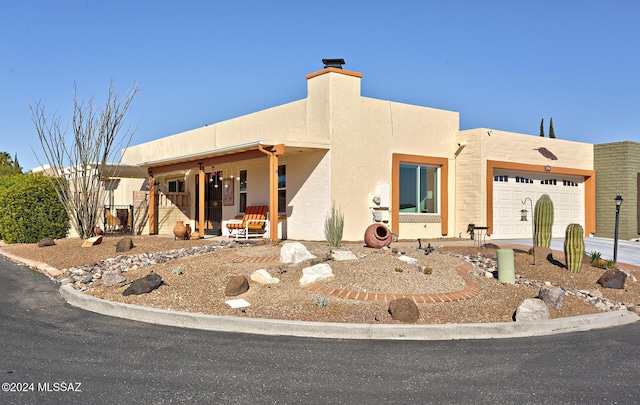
(470, 291)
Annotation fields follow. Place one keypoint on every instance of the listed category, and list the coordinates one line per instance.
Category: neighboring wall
(617, 166)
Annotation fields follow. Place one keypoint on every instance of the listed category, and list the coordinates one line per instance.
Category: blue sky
(500, 64)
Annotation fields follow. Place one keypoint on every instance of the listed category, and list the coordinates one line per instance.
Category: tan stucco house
(406, 166)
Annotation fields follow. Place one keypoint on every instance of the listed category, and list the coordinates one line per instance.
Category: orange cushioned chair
(253, 223)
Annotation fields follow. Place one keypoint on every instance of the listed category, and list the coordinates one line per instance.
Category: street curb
(329, 330)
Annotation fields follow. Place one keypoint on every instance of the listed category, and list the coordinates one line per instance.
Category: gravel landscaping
(196, 282)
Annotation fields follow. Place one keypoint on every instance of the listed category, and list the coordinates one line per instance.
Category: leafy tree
(9, 166)
(551, 133)
(542, 127)
(79, 165)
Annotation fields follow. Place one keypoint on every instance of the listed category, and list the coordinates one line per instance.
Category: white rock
(294, 252)
(262, 276)
(596, 293)
(237, 303)
(343, 255)
(315, 273)
(602, 306)
(488, 274)
(532, 309)
(408, 259)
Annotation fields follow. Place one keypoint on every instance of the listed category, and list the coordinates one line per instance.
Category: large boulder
(404, 310)
(314, 273)
(94, 240)
(262, 276)
(532, 309)
(144, 285)
(613, 279)
(113, 277)
(552, 296)
(237, 285)
(294, 253)
(339, 255)
(46, 242)
(124, 245)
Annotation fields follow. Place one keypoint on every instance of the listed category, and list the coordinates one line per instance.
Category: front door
(212, 202)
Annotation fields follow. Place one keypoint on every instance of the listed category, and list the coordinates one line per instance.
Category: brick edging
(471, 290)
(236, 258)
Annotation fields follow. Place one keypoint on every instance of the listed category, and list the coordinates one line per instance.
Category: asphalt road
(47, 346)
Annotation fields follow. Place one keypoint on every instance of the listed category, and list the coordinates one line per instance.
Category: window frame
(177, 183)
(419, 184)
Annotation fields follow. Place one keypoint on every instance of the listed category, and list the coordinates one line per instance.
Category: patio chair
(253, 223)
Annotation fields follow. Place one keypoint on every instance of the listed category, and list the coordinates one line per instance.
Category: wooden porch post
(201, 181)
(276, 151)
(153, 230)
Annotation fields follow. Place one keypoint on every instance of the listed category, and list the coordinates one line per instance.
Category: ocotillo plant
(574, 247)
(543, 221)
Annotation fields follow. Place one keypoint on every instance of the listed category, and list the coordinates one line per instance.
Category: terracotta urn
(180, 231)
(195, 235)
(377, 236)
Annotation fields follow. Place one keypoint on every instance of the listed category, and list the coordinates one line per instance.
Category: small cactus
(321, 302)
(574, 247)
(543, 221)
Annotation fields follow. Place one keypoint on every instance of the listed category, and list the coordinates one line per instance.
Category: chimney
(333, 63)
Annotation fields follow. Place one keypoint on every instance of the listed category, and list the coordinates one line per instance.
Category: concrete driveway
(628, 252)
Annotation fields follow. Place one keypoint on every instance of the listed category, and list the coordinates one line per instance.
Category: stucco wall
(510, 147)
(285, 123)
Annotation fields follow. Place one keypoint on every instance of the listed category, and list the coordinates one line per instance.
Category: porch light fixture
(333, 63)
(618, 201)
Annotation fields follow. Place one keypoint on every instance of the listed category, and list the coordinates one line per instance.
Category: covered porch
(209, 189)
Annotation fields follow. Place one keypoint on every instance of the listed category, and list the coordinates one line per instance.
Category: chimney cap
(333, 63)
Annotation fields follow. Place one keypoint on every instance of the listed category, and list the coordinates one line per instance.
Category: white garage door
(511, 188)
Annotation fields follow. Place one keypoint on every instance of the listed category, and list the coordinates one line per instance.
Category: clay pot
(180, 230)
(195, 235)
(377, 236)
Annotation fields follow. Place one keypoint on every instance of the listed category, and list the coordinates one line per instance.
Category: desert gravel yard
(197, 283)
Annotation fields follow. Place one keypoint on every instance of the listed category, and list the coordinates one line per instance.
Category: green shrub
(6, 182)
(30, 210)
(333, 226)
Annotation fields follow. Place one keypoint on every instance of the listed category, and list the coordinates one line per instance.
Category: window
(242, 196)
(504, 178)
(175, 186)
(282, 188)
(551, 182)
(418, 188)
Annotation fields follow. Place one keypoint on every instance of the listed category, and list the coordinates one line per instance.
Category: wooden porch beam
(212, 161)
(273, 153)
(153, 229)
(201, 181)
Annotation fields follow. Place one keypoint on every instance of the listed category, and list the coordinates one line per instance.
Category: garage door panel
(566, 192)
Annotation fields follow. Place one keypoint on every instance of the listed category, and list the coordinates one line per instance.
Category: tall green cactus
(543, 221)
(574, 247)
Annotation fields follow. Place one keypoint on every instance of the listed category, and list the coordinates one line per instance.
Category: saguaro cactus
(543, 221)
(574, 247)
